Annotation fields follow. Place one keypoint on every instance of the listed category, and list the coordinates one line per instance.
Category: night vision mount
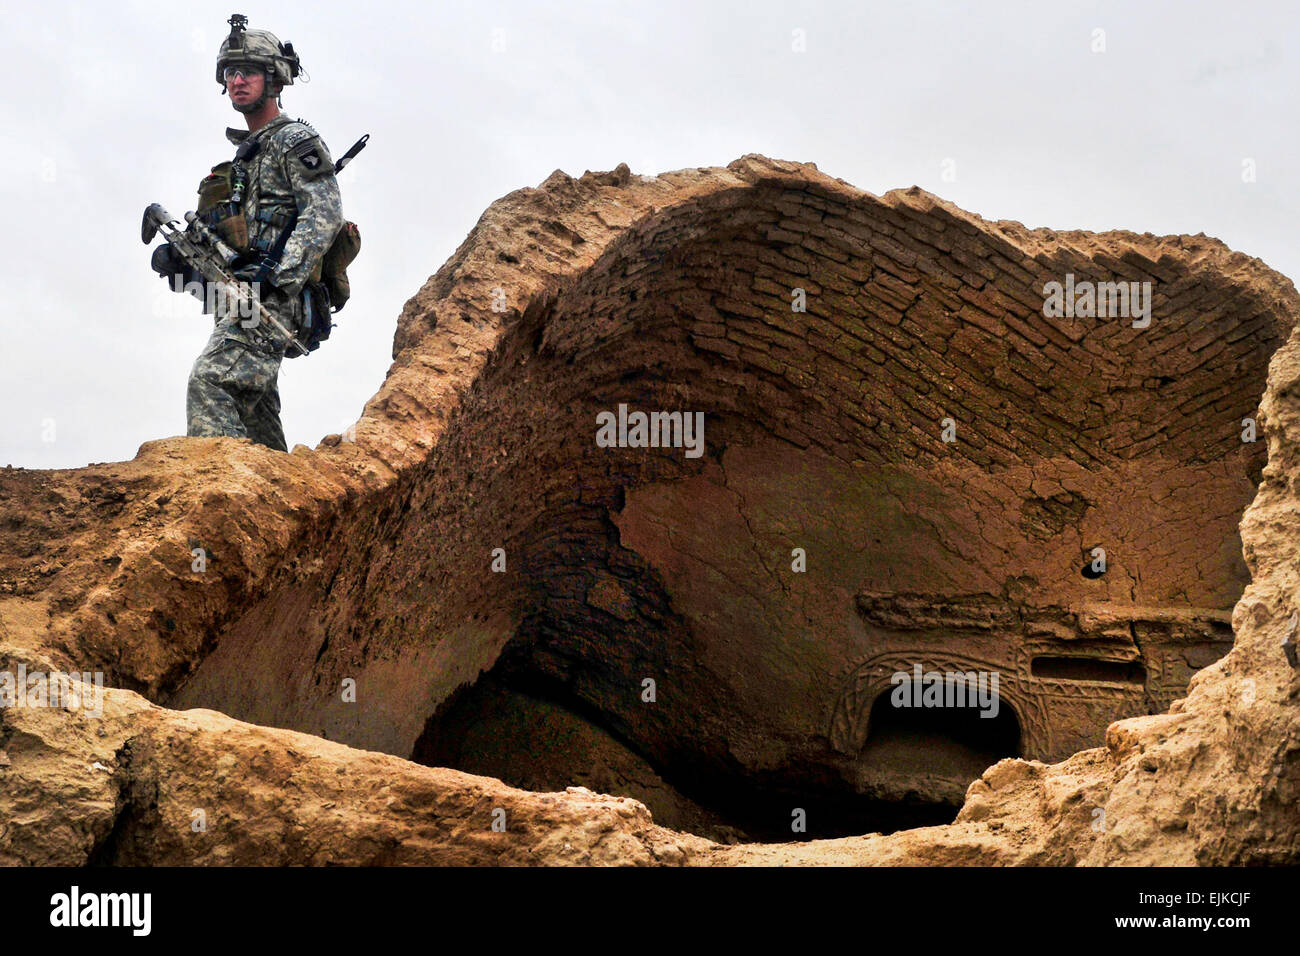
(238, 24)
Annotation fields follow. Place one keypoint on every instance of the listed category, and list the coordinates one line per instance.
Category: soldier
(282, 187)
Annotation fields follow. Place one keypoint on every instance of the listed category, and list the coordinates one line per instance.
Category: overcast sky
(1001, 107)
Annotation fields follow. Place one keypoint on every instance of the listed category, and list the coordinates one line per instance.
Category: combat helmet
(260, 47)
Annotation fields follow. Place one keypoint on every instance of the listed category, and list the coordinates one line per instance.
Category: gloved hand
(169, 266)
(253, 271)
(164, 261)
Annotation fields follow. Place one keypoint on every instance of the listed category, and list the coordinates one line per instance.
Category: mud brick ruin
(917, 470)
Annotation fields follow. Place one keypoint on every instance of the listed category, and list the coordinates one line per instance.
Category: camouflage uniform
(233, 386)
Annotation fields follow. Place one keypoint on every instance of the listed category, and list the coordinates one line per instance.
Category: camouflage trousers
(234, 389)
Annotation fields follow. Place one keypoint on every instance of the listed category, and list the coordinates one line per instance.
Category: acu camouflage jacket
(292, 170)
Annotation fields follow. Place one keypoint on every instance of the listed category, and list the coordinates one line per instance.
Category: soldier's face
(245, 89)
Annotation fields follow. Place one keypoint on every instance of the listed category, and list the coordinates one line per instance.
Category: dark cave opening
(928, 755)
(529, 733)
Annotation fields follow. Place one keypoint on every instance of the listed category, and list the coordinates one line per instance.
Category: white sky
(108, 107)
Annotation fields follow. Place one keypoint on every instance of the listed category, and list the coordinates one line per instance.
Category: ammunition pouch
(218, 212)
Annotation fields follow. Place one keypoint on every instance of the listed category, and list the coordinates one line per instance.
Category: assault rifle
(202, 250)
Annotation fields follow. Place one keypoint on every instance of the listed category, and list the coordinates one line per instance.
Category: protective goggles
(243, 70)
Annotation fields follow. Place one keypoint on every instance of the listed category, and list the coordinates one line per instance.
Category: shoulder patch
(298, 135)
(309, 155)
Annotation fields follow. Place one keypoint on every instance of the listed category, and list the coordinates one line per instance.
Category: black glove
(255, 270)
(164, 260)
(171, 267)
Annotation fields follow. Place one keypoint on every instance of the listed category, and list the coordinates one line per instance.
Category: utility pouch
(334, 264)
(218, 211)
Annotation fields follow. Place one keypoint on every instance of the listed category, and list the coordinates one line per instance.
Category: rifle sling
(272, 258)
